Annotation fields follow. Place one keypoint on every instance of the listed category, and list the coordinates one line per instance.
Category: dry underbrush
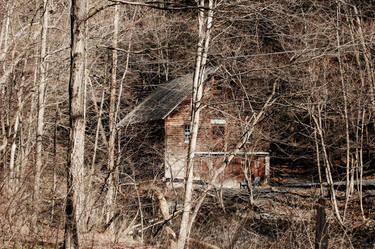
(277, 219)
(280, 221)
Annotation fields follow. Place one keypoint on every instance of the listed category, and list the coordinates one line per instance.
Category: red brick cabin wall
(176, 148)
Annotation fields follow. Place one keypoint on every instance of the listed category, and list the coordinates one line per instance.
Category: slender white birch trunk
(346, 117)
(203, 44)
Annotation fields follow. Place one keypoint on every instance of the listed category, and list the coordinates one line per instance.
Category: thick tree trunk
(75, 162)
(321, 227)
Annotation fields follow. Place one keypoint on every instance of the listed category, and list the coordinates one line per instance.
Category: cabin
(219, 130)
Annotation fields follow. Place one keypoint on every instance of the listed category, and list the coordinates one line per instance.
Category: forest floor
(285, 217)
(280, 216)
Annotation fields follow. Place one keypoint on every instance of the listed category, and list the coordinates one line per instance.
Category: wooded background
(71, 70)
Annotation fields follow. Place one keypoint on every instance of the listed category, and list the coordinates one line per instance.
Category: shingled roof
(162, 102)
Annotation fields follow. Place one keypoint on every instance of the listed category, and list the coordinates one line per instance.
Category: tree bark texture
(321, 235)
(75, 162)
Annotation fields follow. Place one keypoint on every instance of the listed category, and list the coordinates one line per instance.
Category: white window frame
(218, 121)
(187, 133)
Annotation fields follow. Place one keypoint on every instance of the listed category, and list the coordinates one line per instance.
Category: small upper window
(250, 139)
(187, 132)
(218, 131)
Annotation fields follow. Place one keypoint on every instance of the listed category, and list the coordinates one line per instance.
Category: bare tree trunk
(31, 126)
(368, 59)
(316, 141)
(3, 51)
(54, 174)
(361, 115)
(195, 111)
(3, 80)
(40, 120)
(344, 93)
(100, 124)
(164, 209)
(4, 36)
(75, 163)
(13, 178)
(360, 192)
(321, 227)
(112, 126)
(91, 171)
(31, 134)
(370, 78)
(318, 124)
(2, 91)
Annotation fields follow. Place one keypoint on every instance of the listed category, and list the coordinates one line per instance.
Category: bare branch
(158, 5)
(142, 51)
